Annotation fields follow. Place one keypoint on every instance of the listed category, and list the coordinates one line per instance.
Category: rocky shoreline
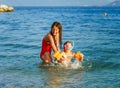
(5, 8)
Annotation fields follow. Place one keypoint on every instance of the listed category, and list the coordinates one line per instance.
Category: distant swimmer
(105, 14)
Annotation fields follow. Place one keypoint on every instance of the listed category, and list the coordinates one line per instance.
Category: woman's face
(55, 30)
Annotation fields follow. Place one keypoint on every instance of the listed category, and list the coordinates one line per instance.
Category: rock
(5, 8)
(10, 9)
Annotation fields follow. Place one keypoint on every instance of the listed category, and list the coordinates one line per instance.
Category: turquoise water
(95, 35)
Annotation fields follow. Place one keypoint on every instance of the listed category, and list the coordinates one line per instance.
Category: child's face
(55, 30)
(67, 46)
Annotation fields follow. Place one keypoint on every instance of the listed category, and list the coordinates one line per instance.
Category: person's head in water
(68, 45)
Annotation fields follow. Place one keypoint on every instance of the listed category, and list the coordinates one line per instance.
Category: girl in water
(51, 41)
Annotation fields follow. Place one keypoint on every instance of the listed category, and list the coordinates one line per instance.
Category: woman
(51, 41)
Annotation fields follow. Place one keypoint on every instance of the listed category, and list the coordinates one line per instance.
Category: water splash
(76, 64)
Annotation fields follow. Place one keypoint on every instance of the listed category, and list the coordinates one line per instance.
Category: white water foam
(76, 64)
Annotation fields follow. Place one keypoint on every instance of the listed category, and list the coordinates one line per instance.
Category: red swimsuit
(46, 47)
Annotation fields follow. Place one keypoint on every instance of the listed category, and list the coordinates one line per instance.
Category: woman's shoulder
(47, 36)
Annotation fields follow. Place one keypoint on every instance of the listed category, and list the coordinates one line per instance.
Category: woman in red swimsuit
(51, 41)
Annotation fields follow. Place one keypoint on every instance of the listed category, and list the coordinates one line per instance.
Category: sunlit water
(95, 35)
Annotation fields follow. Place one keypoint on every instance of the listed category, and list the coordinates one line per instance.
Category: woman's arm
(57, 42)
(52, 43)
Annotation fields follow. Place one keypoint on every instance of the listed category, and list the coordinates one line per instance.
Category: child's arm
(59, 56)
(79, 56)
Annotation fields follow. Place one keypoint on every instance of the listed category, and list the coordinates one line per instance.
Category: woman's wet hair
(59, 26)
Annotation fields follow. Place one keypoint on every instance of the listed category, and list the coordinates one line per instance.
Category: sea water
(95, 35)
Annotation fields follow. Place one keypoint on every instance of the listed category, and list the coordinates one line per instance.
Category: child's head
(68, 45)
(56, 28)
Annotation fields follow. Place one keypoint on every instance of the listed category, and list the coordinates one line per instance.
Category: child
(66, 55)
(51, 42)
